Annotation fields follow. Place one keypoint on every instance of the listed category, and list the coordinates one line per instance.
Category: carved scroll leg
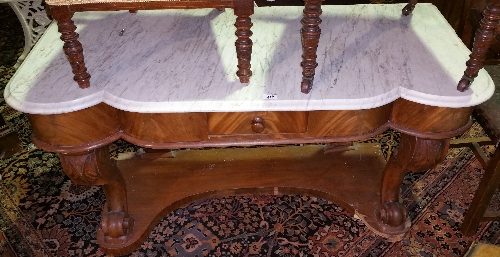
(310, 34)
(72, 47)
(408, 9)
(96, 168)
(414, 154)
(482, 41)
(243, 9)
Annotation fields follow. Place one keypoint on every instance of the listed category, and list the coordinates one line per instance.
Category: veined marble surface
(185, 61)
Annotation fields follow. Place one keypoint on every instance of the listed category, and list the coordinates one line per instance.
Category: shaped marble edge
(482, 89)
(328, 93)
(249, 106)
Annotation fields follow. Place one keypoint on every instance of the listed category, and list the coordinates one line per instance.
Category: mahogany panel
(429, 119)
(258, 139)
(348, 122)
(257, 122)
(75, 128)
(350, 178)
(164, 127)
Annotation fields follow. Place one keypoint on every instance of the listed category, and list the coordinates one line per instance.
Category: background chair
(488, 116)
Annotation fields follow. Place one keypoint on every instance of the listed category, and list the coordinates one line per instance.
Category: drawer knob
(258, 124)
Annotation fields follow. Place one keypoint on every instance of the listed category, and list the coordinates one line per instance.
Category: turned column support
(243, 24)
(413, 154)
(310, 34)
(95, 168)
(482, 41)
(72, 47)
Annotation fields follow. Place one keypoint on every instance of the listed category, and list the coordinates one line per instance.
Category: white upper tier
(185, 61)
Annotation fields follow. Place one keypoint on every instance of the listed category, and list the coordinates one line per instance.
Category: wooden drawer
(343, 123)
(257, 123)
(164, 127)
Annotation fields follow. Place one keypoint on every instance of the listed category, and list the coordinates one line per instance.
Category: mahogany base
(140, 191)
(351, 178)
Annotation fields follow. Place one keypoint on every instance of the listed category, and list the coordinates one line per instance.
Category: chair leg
(72, 47)
(310, 34)
(243, 10)
(483, 195)
(482, 41)
(408, 9)
(243, 47)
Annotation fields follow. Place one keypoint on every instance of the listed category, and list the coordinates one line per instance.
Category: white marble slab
(185, 61)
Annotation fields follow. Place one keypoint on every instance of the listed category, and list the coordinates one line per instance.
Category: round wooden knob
(258, 124)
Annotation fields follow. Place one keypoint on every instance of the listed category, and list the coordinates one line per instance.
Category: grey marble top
(185, 61)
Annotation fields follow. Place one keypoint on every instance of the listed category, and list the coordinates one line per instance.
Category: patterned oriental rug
(42, 213)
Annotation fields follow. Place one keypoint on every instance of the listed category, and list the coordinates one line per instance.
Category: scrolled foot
(117, 227)
(389, 220)
(393, 214)
(464, 83)
(306, 85)
(408, 9)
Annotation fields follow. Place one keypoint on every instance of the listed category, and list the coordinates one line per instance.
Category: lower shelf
(349, 177)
